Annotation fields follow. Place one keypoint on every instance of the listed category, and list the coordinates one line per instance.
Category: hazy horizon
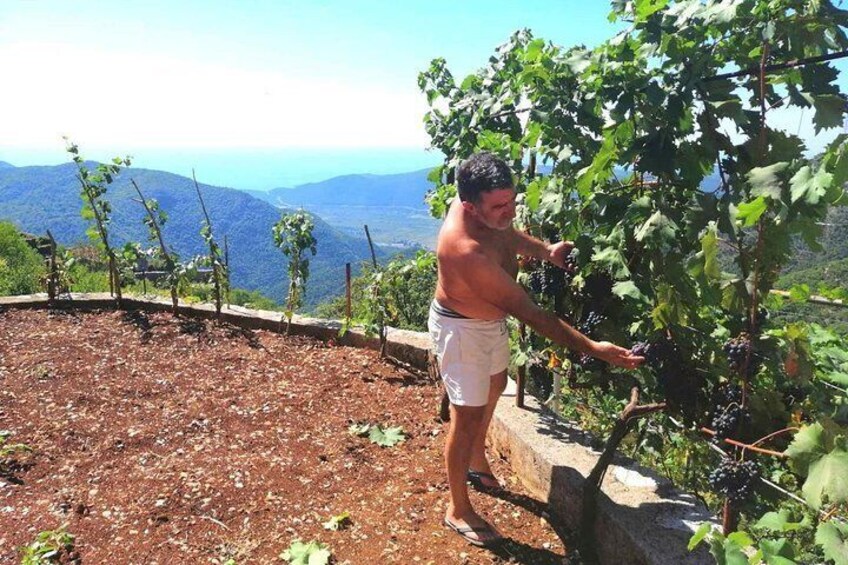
(259, 169)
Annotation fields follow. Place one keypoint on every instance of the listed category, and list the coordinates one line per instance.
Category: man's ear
(468, 206)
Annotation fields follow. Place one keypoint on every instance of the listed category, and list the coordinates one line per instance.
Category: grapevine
(685, 200)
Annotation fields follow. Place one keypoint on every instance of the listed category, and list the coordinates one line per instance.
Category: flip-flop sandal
(475, 479)
(465, 530)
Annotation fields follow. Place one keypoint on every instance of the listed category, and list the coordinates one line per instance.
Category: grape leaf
(699, 535)
(709, 252)
(533, 193)
(829, 109)
(312, 553)
(811, 187)
(764, 181)
(388, 437)
(749, 212)
(659, 228)
(828, 476)
(777, 552)
(726, 551)
(833, 537)
(778, 522)
(807, 447)
(629, 289)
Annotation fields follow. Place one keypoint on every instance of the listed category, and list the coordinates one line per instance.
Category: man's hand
(557, 252)
(615, 355)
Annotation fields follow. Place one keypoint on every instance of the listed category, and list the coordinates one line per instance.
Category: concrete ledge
(642, 518)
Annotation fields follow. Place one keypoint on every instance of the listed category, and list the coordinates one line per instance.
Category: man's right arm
(496, 287)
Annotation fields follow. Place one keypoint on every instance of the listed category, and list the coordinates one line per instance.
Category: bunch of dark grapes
(587, 362)
(677, 380)
(728, 413)
(570, 266)
(735, 479)
(642, 349)
(738, 350)
(660, 353)
(588, 327)
(590, 323)
(548, 280)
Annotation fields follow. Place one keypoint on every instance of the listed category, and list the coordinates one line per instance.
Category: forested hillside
(404, 189)
(41, 198)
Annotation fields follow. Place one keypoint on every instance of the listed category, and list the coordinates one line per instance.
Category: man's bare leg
(478, 461)
(464, 427)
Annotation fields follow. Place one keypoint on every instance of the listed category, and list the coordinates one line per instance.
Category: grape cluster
(548, 280)
(678, 380)
(641, 349)
(738, 351)
(587, 362)
(590, 324)
(588, 327)
(735, 479)
(570, 266)
(728, 413)
(660, 354)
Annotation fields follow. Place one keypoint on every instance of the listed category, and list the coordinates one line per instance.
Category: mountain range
(39, 198)
(404, 189)
(391, 205)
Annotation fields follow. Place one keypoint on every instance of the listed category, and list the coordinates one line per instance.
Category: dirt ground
(160, 440)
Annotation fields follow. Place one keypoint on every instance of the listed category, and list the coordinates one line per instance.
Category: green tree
(293, 236)
(21, 268)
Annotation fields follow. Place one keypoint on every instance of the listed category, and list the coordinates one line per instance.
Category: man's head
(485, 187)
(482, 172)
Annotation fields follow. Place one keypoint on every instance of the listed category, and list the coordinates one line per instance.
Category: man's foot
(475, 531)
(483, 481)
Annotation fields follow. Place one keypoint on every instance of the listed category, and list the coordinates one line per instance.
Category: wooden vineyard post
(377, 297)
(521, 377)
(347, 293)
(227, 271)
(53, 280)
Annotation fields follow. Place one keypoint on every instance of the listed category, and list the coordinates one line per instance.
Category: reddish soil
(164, 440)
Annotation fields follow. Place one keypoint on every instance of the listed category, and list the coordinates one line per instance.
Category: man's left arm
(529, 246)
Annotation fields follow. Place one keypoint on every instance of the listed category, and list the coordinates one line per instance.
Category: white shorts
(469, 352)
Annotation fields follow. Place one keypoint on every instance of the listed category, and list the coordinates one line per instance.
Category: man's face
(496, 208)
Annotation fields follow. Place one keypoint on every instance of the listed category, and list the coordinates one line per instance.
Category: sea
(244, 168)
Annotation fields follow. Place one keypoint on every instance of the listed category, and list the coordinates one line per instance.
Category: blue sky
(248, 92)
(155, 78)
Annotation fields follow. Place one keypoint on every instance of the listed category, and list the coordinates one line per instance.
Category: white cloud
(114, 99)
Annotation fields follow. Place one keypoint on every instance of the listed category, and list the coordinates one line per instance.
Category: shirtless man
(476, 290)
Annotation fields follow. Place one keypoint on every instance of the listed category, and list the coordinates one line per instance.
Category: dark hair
(482, 172)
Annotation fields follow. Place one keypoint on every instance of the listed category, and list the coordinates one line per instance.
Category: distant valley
(392, 206)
